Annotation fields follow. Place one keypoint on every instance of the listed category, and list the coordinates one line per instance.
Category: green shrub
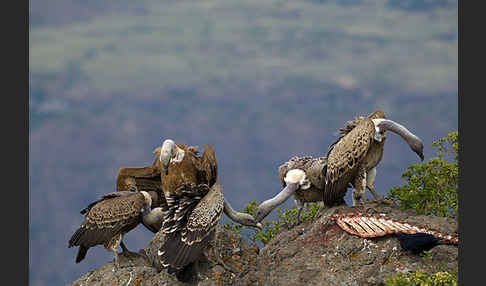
(285, 219)
(431, 187)
(422, 278)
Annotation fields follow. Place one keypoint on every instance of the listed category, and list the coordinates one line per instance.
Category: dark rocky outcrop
(317, 252)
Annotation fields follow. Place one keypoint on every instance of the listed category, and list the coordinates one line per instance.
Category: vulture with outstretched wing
(146, 179)
(195, 204)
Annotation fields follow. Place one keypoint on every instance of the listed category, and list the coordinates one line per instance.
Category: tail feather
(81, 253)
(74, 241)
(180, 257)
(187, 273)
(177, 254)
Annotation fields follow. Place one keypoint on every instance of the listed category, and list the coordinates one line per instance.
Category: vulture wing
(208, 165)
(189, 223)
(140, 178)
(343, 159)
(204, 217)
(107, 218)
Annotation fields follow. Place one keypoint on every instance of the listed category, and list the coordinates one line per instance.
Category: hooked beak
(421, 155)
(412, 140)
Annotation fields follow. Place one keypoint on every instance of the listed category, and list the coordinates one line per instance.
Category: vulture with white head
(350, 161)
(195, 204)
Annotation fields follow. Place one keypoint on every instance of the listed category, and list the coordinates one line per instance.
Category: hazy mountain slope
(260, 81)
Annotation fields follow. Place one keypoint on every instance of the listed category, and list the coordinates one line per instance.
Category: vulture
(108, 219)
(327, 179)
(354, 156)
(195, 204)
(304, 177)
(146, 179)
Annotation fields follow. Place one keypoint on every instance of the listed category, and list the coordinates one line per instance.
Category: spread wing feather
(180, 204)
(205, 216)
(193, 212)
(147, 179)
(194, 206)
(209, 165)
(344, 157)
(139, 179)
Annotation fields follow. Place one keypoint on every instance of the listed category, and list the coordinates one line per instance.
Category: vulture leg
(370, 179)
(359, 187)
(124, 247)
(113, 246)
(116, 260)
(125, 252)
(300, 207)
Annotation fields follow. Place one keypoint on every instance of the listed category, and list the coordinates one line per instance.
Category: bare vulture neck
(147, 203)
(153, 216)
(386, 124)
(178, 154)
(413, 141)
(231, 213)
(241, 218)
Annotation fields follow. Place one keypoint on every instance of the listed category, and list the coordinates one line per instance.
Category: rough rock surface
(317, 252)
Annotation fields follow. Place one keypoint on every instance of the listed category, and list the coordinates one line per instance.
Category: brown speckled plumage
(345, 159)
(315, 169)
(353, 159)
(190, 224)
(350, 161)
(205, 217)
(192, 169)
(107, 219)
(195, 206)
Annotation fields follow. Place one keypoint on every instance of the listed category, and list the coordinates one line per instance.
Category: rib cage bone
(368, 226)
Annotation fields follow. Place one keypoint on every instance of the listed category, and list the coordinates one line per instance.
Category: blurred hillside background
(259, 80)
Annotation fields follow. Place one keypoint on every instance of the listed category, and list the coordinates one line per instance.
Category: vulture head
(382, 125)
(148, 201)
(295, 179)
(170, 152)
